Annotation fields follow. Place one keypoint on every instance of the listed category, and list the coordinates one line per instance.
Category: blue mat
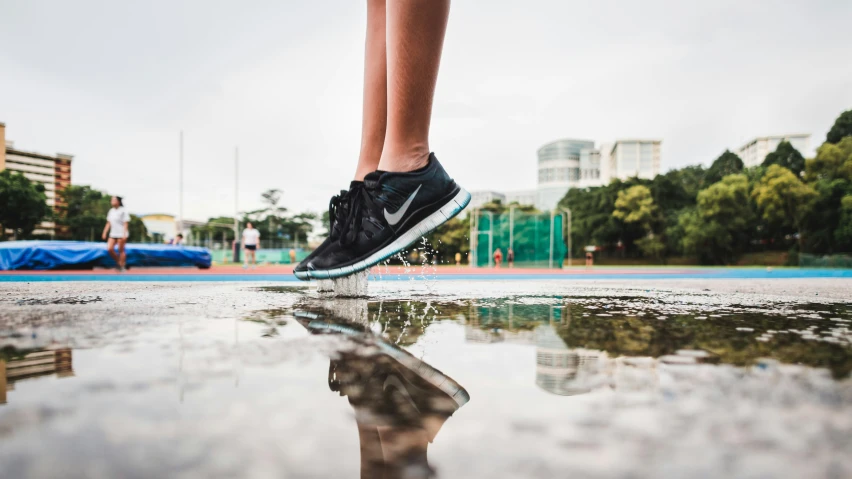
(41, 255)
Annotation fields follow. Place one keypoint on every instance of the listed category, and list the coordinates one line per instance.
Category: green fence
(273, 256)
(825, 261)
(537, 239)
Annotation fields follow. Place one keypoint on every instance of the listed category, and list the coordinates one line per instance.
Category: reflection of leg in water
(400, 402)
(398, 415)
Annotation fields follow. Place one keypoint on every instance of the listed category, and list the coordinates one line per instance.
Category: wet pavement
(455, 379)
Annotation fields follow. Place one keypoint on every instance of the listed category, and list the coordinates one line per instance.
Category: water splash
(352, 286)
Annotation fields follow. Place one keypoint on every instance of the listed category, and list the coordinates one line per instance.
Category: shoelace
(359, 200)
(337, 208)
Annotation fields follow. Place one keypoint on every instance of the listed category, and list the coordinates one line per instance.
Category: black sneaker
(338, 209)
(391, 212)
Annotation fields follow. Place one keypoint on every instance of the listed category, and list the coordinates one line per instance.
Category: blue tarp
(17, 255)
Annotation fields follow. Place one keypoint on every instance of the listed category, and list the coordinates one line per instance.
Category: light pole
(568, 224)
(550, 259)
(236, 252)
(180, 187)
(512, 228)
(490, 238)
(473, 238)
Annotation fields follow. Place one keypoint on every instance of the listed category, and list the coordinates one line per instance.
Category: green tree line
(719, 213)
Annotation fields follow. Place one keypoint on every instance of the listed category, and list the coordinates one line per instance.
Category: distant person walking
(510, 257)
(498, 257)
(117, 226)
(251, 241)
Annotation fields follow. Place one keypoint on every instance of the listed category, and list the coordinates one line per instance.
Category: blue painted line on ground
(288, 278)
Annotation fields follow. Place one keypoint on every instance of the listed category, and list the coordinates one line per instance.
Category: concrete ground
(583, 378)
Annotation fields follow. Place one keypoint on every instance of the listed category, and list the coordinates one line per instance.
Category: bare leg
(404, 451)
(374, 121)
(372, 459)
(122, 256)
(111, 250)
(415, 37)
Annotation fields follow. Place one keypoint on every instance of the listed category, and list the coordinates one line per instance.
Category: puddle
(520, 386)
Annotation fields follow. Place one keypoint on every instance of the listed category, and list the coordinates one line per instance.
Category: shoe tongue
(372, 179)
(355, 183)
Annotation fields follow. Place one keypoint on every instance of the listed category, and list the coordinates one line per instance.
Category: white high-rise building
(559, 169)
(568, 163)
(754, 152)
(635, 158)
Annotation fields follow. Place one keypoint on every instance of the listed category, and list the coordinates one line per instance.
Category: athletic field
(285, 273)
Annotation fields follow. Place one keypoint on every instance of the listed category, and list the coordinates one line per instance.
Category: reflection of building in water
(563, 370)
(34, 364)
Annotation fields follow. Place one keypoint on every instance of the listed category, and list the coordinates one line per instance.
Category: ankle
(405, 161)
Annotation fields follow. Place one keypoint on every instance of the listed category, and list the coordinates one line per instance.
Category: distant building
(52, 171)
(754, 152)
(479, 198)
(635, 158)
(570, 163)
(559, 170)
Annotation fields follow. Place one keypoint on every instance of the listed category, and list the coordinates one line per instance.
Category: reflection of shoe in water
(375, 358)
(400, 402)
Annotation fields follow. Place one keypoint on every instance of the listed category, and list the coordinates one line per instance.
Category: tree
(830, 174)
(84, 215)
(717, 230)
(843, 233)
(832, 161)
(727, 164)
(635, 205)
(788, 157)
(24, 204)
(842, 128)
(784, 199)
(450, 238)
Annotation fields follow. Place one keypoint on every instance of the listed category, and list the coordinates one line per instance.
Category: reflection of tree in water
(648, 336)
(635, 333)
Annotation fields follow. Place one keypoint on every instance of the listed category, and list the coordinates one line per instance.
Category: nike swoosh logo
(395, 382)
(394, 218)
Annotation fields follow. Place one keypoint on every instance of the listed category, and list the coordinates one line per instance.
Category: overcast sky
(113, 83)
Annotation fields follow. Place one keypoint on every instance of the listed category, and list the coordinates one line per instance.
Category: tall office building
(635, 158)
(754, 152)
(52, 171)
(559, 169)
(568, 163)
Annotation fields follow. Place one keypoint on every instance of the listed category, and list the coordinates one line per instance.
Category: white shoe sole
(436, 219)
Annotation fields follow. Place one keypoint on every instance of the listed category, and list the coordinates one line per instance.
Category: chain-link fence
(825, 261)
(534, 240)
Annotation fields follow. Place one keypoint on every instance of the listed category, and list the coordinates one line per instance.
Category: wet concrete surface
(683, 378)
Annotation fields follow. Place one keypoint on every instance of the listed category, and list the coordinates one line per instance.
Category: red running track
(391, 270)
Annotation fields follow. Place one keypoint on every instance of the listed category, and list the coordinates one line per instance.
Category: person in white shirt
(251, 241)
(117, 226)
